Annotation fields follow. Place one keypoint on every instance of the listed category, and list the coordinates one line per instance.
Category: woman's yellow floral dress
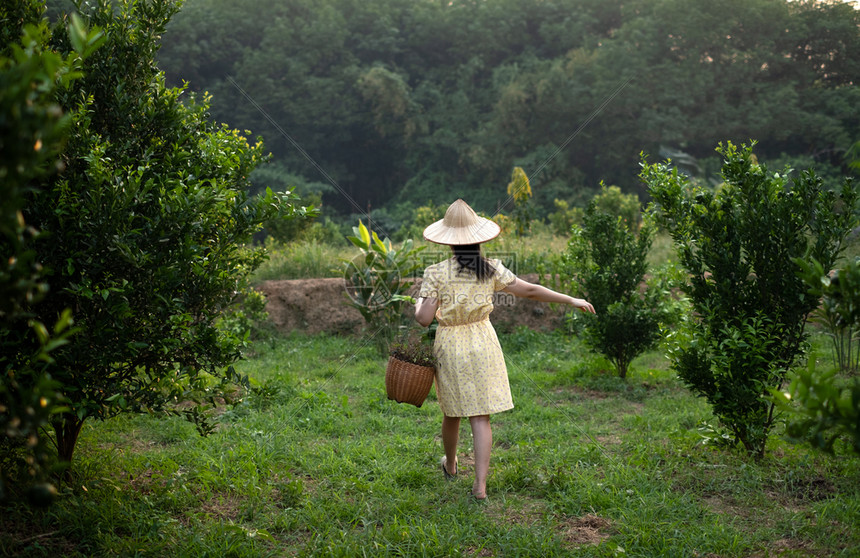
(471, 376)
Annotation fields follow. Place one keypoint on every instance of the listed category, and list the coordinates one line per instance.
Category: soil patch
(585, 530)
(321, 306)
(144, 482)
(19, 538)
(223, 507)
(520, 510)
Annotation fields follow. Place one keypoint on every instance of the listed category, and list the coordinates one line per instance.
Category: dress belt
(484, 319)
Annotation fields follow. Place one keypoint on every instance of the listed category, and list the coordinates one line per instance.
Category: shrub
(625, 206)
(287, 230)
(564, 217)
(377, 281)
(737, 245)
(839, 312)
(609, 200)
(820, 406)
(149, 218)
(323, 232)
(520, 191)
(608, 260)
(32, 130)
(246, 318)
(825, 409)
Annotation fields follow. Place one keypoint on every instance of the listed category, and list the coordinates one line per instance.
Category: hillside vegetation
(386, 105)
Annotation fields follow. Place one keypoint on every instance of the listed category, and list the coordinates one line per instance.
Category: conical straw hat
(461, 225)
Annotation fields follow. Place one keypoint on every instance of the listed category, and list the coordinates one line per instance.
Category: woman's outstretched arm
(537, 292)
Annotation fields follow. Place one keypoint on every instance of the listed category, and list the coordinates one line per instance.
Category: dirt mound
(310, 305)
(320, 306)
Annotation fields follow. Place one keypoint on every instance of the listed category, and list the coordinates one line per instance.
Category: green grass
(317, 462)
(662, 251)
(302, 260)
(536, 253)
(311, 259)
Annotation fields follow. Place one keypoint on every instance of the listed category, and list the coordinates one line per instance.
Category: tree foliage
(625, 207)
(750, 310)
(821, 408)
(824, 405)
(520, 193)
(32, 128)
(839, 311)
(431, 99)
(148, 221)
(607, 259)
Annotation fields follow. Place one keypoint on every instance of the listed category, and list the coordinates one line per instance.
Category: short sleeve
(503, 276)
(429, 285)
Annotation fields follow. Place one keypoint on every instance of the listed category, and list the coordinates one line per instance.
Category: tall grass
(539, 252)
(317, 462)
(311, 259)
(303, 260)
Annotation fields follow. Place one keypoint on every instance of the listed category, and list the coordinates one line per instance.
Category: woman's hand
(582, 304)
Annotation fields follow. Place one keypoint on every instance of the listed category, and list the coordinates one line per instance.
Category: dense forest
(397, 103)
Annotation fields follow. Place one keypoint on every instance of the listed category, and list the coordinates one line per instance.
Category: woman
(471, 376)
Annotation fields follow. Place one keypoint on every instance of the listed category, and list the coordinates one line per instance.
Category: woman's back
(463, 299)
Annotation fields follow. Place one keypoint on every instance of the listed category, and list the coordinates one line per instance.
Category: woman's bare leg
(450, 438)
(482, 436)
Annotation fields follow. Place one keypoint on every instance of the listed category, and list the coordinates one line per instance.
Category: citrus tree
(607, 261)
(823, 405)
(147, 223)
(626, 207)
(32, 128)
(749, 308)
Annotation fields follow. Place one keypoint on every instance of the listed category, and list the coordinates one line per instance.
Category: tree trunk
(622, 369)
(67, 429)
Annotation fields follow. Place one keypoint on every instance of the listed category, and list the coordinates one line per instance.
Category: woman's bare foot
(450, 472)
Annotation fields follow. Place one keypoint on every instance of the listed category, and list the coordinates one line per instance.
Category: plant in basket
(411, 369)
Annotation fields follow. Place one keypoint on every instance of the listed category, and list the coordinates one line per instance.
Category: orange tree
(749, 307)
(32, 128)
(822, 405)
(147, 223)
(606, 259)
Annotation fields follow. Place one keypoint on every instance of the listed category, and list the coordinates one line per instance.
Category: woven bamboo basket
(408, 383)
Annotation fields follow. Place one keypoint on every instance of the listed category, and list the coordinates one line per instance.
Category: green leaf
(64, 322)
(357, 242)
(365, 235)
(383, 248)
(41, 331)
(77, 33)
